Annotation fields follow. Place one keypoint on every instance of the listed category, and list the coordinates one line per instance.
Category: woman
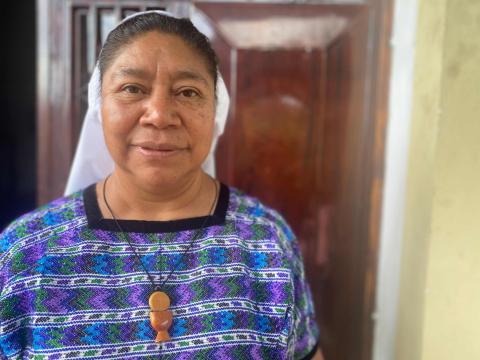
(157, 260)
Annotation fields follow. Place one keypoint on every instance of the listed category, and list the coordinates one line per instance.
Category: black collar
(96, 221)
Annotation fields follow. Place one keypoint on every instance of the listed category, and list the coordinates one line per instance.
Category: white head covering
(92, 160)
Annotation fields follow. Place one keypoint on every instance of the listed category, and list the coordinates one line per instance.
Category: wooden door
(306, 136)
(305, 133)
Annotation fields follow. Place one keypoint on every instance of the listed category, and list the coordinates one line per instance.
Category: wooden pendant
(160, 317)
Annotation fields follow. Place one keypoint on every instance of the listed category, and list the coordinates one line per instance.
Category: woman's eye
(131, 89)
(189, 93)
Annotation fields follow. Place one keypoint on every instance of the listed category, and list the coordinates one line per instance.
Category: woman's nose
(160, 111)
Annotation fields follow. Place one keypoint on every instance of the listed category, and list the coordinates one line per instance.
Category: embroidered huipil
(71, 287)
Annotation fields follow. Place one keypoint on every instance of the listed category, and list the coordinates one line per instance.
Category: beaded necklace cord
(159, 302)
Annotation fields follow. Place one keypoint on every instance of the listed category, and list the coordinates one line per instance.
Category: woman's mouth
(152, 149)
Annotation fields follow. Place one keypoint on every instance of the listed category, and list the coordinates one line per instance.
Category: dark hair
(127, 31)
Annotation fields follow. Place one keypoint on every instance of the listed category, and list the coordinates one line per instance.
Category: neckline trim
(97, 221)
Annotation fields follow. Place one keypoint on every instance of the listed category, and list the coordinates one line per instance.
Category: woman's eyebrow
(129, 71)
(189, 75)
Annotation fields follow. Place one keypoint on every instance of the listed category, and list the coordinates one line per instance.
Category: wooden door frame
(375, 155)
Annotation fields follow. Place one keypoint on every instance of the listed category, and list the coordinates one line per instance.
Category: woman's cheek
(205, 131)
(205, 118)
(119, 120)
(116, 129)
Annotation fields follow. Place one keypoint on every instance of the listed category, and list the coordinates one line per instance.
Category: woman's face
(158, 108)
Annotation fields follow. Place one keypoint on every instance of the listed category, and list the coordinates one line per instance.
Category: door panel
(305, 132)
(300, 137)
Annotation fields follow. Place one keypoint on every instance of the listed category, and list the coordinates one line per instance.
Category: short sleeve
(3, 310)
(6, 240)
(305, 333)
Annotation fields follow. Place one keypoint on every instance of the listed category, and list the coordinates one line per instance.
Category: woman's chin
(154, 179)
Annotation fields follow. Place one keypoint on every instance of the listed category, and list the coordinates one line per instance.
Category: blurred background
(357, 119)
(17, 138)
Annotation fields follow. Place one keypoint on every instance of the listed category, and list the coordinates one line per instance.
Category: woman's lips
(157, 153)
(158, 149)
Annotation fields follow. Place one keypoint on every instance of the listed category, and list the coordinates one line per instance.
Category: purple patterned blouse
(71, 287)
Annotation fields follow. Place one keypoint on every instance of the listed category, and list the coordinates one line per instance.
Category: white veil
(92, 160)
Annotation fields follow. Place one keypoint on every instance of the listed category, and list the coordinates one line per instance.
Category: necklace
(160, 316)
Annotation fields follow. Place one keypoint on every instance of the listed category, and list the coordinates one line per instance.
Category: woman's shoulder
(251, 210)
(56, 213)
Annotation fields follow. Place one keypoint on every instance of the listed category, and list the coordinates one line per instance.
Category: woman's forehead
(152, 52)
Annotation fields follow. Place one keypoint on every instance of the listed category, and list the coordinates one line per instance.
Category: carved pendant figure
(160, 317)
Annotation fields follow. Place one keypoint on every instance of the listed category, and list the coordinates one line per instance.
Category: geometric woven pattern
(72, 290)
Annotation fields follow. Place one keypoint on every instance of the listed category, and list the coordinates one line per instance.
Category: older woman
(157, 260)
